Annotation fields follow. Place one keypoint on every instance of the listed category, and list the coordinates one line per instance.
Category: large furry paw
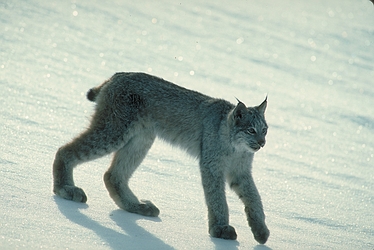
(226, 232)
(146, 208)
(71, 193)
(260, 233)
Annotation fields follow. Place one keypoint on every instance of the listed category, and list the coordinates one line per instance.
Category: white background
(314, 60)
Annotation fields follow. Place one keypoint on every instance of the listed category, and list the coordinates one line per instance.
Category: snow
(314, 59)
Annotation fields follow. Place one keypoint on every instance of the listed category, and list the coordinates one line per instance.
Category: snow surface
(314, 59)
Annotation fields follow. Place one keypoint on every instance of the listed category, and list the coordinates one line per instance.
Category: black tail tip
(91, 95)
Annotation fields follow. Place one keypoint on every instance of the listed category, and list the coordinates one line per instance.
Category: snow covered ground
(314, 59)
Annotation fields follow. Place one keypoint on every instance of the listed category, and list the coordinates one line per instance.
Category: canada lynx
(133, 108)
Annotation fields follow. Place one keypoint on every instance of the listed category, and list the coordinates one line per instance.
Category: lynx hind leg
(90, 145)
(124, 163)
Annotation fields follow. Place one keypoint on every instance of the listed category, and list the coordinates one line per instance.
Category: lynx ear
(239, 110)
(261, 108)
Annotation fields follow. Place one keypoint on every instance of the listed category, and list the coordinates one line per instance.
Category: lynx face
(249, 128)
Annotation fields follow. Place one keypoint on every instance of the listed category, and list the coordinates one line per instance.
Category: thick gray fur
(133, 108)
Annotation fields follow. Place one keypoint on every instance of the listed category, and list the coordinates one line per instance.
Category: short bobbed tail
(92, 94)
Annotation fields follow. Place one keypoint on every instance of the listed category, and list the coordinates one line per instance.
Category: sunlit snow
(314, 60)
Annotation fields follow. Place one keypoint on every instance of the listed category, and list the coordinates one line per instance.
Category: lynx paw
(261, 234)
(146, 208)
(226, 232)
(71, 193)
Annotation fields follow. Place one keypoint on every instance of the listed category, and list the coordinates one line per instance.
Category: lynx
(132, 109)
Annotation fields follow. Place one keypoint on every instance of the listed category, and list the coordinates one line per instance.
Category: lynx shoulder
(132, 109)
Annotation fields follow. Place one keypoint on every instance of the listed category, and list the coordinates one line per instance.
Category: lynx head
(248, 127)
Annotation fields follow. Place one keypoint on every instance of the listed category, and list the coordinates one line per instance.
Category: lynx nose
(261, 143)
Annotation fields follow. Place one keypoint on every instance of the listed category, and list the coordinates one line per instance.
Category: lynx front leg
(244, 186)
(214, 190)
(125, 162)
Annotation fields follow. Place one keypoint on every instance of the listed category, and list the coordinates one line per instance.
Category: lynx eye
(264, 131)
(251, 131)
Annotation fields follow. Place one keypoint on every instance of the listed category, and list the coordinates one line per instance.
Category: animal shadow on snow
(134, 236)
(222, 244)
(262, 247)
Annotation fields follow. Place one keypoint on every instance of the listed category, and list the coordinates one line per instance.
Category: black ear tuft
(262, 107)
